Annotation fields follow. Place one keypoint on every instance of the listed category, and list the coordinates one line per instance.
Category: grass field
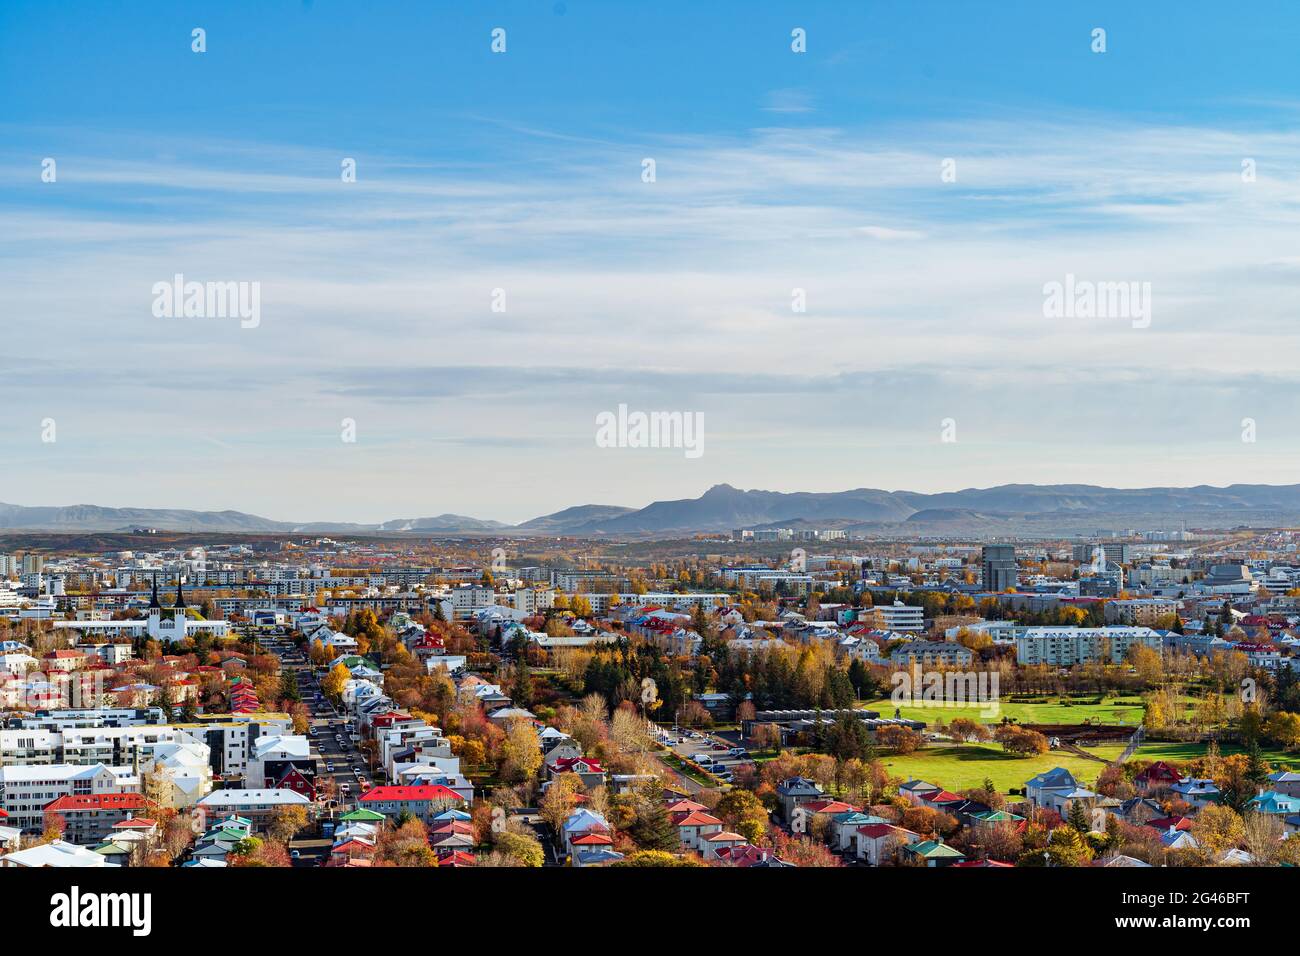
(1112, 710)
(960, 768)
(1183, 752)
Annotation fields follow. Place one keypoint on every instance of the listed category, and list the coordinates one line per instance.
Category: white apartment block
(671, 599)
(467, 598)
(231, 741)
(26, 791)
(113, 746)
(898, 617)
(532, 600)
(1067, 646)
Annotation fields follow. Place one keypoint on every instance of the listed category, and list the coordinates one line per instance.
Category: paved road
(332, 745)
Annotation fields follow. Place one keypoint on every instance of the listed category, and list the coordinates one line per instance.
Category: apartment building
(689, 599)
(998, 565)
(90, 819)
(1111, 551)
(532, 600)
(1142, 611)
(26, 791)
(931, 654)
(898, 617)
(230, 737)
(1067, 646)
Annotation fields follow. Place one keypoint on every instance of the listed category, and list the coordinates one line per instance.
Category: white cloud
(922, 295)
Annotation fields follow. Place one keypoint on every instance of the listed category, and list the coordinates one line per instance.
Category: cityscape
(771, 697)
(602, 438)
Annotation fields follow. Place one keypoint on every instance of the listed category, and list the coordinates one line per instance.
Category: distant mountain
(75, 518)
(95, 518)
(723, 507)
(443, 522)
(575, 519)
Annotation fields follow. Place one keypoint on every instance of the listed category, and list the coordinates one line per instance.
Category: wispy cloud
(377, 306)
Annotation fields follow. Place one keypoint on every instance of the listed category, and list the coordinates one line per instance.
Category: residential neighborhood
(886, 709)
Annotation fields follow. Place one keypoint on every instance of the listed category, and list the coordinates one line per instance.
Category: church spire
(153, 601)
(180, 593)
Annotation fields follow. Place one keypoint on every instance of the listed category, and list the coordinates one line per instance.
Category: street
(333, 745)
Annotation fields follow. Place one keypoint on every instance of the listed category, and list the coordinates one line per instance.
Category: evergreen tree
(521, 691)
(653, 829)
(1079, 817)
(1256, 769)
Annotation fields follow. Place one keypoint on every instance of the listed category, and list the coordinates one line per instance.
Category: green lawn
(960, 768)
(1113, 710)
(1182, 752)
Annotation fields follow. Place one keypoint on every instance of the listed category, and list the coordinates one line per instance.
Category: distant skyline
(522, 171)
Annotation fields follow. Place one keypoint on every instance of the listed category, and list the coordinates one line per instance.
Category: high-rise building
(999, 564)
(1110, 551)
(33, 564)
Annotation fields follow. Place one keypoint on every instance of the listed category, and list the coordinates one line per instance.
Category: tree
(653, 829)
(521, 691)
(560, 798)
(1284, 727)
(405, 845)
(962, 729)
(1079, 818)
(1218, 829)
(804, 852)
(522, 752)
(285, 822)
(903, 740)
(1261, 837)
(848, 738)
(252, 851)
(1256, 769)
(1065, 847)
(743, 813)
(656, 858)
(334, 682)
(522, 848)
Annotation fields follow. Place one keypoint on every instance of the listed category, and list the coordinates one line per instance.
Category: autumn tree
(522, 849)
(559, 800)
(406, 845)
(285, 822)
(334, 682)
(1218, 829)
(522, 752)
(743, 813)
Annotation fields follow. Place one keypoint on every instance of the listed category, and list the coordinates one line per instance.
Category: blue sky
(521, 171)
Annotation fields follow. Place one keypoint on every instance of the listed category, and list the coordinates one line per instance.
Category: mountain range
(723, 508)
